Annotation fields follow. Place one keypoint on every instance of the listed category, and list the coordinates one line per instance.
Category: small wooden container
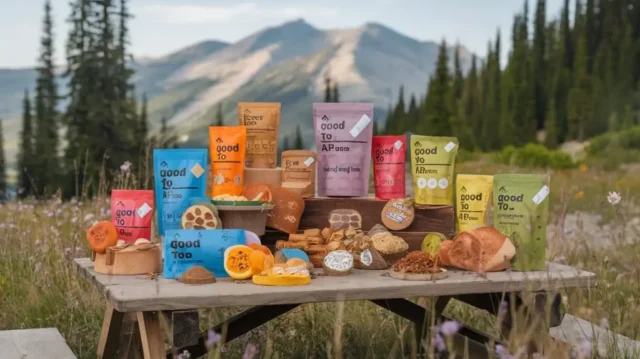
(134, 259)
(249, 218)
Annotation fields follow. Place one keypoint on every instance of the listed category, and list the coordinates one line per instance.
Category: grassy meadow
(38, 286)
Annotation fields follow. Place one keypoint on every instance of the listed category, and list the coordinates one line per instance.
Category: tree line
(69, 151)
(573, 78)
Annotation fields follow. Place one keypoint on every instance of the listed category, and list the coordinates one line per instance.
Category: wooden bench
(34, 344)
(574, 330)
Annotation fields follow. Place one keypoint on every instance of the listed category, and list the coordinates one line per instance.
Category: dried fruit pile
(417, 262)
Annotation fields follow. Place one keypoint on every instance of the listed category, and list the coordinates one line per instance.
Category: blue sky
(162, 26)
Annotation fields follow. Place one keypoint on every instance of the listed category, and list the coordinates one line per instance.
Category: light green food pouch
(432, 163)
(521, 210)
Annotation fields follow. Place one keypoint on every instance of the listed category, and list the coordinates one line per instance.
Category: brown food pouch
(299, 172)
(262, 120)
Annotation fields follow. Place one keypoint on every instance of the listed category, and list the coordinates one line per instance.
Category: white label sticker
(197, 170)
(309, 161)
(366, 258)
(449, 146)
(398, 144)
(541, 195)
(361, 125)
(144, 210)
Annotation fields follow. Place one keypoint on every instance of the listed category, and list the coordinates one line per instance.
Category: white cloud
(207, 14)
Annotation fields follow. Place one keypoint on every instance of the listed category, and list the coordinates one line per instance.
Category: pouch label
(309, 161)
(541, 195)
(360, 125)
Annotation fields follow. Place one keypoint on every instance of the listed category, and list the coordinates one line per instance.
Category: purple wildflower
(583, 350)
(213, 338)
(449, 328)
(438, 343)
(503, 310)
(503, 353)
(250, 351)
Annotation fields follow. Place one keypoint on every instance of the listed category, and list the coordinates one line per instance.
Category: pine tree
(413, 115)
(567, 40)
(437, 105)
(3, 172)
(327, 88)
(143, 126)
(335, 95)
(458, 77)
(399, 114)
(580, 104)
(285, 144)
(219, 116)
(550, 126)
(26, 152)
(298, 144)
(46, 164)
(539, 64)
(471, 98)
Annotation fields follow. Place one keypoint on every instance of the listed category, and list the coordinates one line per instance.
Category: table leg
(108, 343)
(237, 325)
(151, 335)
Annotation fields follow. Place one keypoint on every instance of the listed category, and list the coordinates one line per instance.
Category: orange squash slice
(237, 262)
(260, 247)
(260, 261)
(101, 236)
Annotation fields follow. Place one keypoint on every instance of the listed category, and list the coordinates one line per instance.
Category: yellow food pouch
(473, 195)
(432, 164)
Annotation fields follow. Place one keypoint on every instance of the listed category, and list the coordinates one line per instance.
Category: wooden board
(34, 344)
(427, 219)
(136, 293)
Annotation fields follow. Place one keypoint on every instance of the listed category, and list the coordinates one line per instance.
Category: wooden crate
(427, 219)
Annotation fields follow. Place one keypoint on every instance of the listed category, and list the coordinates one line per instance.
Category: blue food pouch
(185, 248)
(179, 175)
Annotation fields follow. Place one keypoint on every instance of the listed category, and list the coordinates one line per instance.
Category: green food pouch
(521, 210)
(432, 163)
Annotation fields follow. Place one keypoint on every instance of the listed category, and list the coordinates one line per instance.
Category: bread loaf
(483, 249)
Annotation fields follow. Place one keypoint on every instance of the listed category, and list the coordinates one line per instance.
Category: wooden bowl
(419, 276)
(249, 218)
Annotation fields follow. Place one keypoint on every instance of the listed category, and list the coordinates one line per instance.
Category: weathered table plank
(137, 293)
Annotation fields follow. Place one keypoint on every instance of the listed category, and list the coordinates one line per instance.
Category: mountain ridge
(286, 63)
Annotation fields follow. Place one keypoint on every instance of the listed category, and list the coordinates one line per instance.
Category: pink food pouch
(131, 213)
(343, 134)
(389, 166)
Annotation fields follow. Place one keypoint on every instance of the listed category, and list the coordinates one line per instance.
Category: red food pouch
(389, 158)
(131, 213)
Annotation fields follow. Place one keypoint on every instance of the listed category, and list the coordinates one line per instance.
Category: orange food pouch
(227, 146)
(131, 213)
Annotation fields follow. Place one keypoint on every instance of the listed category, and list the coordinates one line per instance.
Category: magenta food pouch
(343, 134)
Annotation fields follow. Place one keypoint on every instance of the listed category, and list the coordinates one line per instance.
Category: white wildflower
(88, 217)
(74, 220)
(614, 198)
(126, 166)
(37, 242)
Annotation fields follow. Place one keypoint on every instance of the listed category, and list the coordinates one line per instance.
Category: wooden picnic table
(146, 299)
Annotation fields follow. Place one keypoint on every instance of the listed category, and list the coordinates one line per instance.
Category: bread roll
(483, 249)
(443, 254)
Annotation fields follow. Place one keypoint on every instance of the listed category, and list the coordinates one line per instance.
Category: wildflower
(37, 243)
(184, 355)
(579, 195)
(605, 259)
(583, 168)
(37, 267)
(598, 217)
(503, 353)
(74, 220)
(250, 351)
(125, 167)
(1, 225)
(88, 217)
(537, 356)
(604, 322)
(449, 328)
(503, 310)
(67, 251)
(213, 338)
(437, 343)
(583, 350)
(614, 198)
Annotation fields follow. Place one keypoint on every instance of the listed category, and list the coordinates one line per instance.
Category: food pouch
(432, 165)
(343, 143)
(473, 195)
(389, 157)
(262, 120)
(227, 145)
(131, 213)
(185, 248)
(299, 172)
(521, 209)
(179, 174)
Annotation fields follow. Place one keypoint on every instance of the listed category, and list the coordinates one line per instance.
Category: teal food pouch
(521, 210)
(185, 248)
(179, 175)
